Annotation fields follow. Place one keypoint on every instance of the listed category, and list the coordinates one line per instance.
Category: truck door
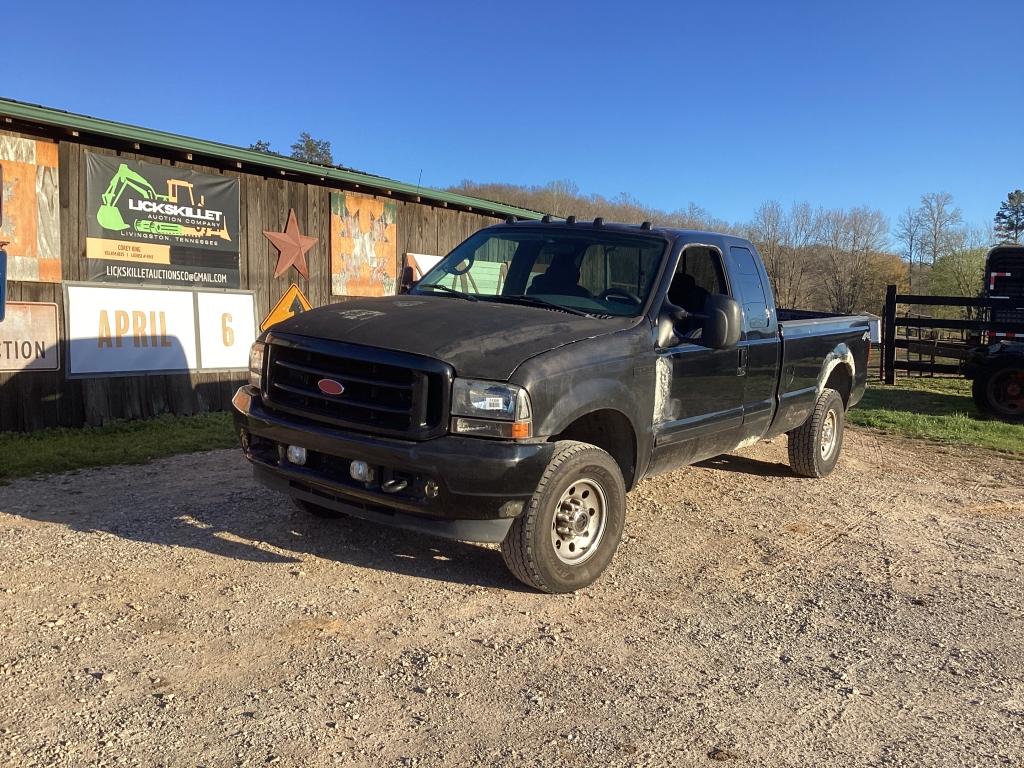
(699, 403)
(759, 346)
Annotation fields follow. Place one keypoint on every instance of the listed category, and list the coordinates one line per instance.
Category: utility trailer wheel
(316, 510)
(572, 525)
(815, 445)
(998, 390)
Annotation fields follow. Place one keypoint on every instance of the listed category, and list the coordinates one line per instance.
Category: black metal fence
(939, 343)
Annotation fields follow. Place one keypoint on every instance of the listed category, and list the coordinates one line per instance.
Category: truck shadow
(229, 516)
(376, 547)
(730, 462)
(232, 517)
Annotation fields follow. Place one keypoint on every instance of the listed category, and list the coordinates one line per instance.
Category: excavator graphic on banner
(109, 216)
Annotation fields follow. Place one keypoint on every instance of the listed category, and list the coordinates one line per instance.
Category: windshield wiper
(452, 291)
(533, 301)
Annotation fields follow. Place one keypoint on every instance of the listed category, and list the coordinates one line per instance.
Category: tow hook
(394, 486)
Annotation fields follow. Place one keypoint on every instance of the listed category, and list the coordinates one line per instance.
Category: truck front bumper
(453, 487)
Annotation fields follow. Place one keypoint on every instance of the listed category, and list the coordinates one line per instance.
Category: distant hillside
(831, 259)
(563, 198)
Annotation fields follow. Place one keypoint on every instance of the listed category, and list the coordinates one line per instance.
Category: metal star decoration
(292, 246)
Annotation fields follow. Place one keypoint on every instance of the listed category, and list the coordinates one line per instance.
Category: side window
(699, 274)
(748, 285)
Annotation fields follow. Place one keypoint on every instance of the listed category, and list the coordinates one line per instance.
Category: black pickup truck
(534, 376)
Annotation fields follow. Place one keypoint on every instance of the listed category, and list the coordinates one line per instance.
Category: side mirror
(408, 280)
(3, 281)
(723, 322)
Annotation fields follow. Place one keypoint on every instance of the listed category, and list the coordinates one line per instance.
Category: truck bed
(807, 339)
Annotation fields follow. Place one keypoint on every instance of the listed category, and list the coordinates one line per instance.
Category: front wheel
(572, 526)
(814, 446)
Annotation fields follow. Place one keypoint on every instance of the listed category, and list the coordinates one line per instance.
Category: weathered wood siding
(34, 400)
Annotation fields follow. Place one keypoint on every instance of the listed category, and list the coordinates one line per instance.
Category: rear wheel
(316, 510)
(815, 445)
(572, 526)
(998, 390)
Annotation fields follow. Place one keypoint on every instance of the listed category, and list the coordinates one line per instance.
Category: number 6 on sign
(227, 332)
(227, 328)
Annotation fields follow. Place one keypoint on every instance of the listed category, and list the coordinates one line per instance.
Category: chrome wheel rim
(829, 433)
(579, 521)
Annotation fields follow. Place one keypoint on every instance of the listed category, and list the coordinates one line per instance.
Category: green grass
(122, 442)
(939, 409)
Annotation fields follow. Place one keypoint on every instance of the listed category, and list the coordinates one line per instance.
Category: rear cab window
(750, 290)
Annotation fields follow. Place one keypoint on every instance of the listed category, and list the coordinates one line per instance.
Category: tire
(557, 556)
(316, 510)
(808, 455)
(997, 390)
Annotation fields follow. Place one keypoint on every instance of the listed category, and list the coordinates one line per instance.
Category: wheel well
(610, 431)
(841, 381)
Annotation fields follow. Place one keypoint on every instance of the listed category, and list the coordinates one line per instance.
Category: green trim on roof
(161, 139)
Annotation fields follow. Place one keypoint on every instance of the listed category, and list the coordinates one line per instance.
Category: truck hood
(482, 340)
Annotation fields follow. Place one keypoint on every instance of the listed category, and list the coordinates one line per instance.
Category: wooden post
(889, 335)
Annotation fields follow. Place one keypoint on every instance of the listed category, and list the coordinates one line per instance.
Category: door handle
(741, 363)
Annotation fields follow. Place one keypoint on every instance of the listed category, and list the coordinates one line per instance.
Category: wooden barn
(141, 264)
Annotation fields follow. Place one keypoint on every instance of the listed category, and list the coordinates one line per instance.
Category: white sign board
(28, 337)
(227, 328)
(115, 331)
(120, 330)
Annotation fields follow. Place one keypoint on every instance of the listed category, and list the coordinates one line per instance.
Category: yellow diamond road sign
(291, 304)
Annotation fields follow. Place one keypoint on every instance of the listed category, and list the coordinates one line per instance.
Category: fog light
(361, 471)
(431, 489)
(296, 455)
(511, 509)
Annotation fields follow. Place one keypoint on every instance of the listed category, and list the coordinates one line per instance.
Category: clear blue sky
(725, 104)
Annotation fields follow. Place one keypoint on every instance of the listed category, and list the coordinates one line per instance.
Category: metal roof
(82, 127)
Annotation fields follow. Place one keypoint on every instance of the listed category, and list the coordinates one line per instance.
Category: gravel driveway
(177, 614)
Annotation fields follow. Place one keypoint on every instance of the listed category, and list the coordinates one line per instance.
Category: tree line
(835, 259)
(838, 259)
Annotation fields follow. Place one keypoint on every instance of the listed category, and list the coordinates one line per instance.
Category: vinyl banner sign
(122, 331)
(160, 224)
(28, 337)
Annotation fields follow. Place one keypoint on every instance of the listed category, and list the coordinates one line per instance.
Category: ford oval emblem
(330, 387)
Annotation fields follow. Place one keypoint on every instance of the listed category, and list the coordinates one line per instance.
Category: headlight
(490, 409)
(256, 364)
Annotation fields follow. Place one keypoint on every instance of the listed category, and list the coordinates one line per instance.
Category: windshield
(583, 271)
